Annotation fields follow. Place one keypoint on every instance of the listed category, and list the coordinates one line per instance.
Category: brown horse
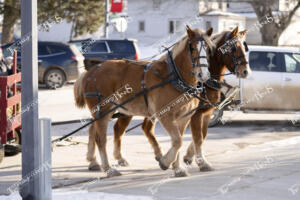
(118, 80)
(236, 62)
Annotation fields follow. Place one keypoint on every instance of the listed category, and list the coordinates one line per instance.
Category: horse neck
(217, 68)
(184, 64)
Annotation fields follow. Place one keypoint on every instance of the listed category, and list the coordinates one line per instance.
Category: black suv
(107, 49)
(58, 62)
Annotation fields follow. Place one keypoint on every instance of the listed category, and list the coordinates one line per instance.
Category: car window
(292, 62)
(98, 47)
(121, 47)
(265, 61)
(42, 50)
(52, 49)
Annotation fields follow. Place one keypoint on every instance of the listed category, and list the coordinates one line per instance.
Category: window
(178, 26)
(42, 50)
(141, 26)
(171, 27)
(175, 26)
(287, 4)
(156, 4)
(52, 49)
(220, 5)
(264, 61)
(228, 5)
(208, 25)
(121, 47)
(98, 47)
(292, 63)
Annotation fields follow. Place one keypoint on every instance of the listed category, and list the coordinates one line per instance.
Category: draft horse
(234, 59)
(159, 82)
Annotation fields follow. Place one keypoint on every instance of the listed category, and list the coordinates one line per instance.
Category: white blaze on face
(205, 75)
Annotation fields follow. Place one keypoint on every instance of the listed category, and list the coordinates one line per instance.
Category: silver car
(273, 86)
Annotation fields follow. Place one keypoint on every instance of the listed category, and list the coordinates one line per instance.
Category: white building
(157, 20)
(153, 20)
(163, 21)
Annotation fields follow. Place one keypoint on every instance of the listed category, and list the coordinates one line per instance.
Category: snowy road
(253, 160)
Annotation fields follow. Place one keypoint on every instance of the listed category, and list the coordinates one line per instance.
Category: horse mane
(179, 46)
(217, 38)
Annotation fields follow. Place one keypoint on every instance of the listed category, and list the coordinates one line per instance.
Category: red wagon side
(10, 97)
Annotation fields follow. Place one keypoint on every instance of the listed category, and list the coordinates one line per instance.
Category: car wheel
(215, 117)
(54, 78)
(12, 150)
(1, 152)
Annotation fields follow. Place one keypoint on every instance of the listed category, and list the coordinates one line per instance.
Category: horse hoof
(180, 173)
(157, 158)
(187, 161)
(206, 168)
(113, 172)
(123, 163)
(162, 166)
(94, 167)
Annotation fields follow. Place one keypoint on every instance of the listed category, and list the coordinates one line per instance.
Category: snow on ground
(82, 195)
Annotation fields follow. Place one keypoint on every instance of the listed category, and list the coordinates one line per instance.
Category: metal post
(32, 166)
(44, 150)
(106, 19)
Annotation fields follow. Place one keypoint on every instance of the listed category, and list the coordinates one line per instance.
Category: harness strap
(93, 95)
(143, 84)
(213, 84)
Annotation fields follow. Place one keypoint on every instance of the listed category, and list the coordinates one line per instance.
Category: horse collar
(176, 79)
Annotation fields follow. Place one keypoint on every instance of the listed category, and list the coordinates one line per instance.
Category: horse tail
(78, 92)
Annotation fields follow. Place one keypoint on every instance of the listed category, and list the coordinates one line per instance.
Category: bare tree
(271, 32)
(11, 13)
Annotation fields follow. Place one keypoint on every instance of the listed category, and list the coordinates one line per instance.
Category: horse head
(199, 43)
(232, 50)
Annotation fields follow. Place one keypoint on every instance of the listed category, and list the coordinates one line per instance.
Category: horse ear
(209, 32)
(243, 33)
(234, 32)
(189, 31)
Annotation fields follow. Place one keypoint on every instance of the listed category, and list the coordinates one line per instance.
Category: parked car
(107, 49)
(58, 63)
(274, 84)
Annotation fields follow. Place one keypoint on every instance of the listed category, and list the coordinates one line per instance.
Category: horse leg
(199, 126)
(148, 128)
(101, 126)
(91, 154)
(203, 164)
(179, 172)
(119, 130)
(188, 158)
(175, 132)
(196, 127)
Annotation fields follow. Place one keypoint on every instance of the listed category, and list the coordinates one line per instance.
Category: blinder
(199, 56)
(246, 46)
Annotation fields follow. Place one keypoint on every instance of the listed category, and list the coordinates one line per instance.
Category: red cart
(10, 97)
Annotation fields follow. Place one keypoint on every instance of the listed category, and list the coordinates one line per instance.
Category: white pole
(35, 167)
(106, 19)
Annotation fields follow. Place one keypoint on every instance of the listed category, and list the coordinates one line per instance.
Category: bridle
(236, 60)
(177, 80)
(199, 57)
